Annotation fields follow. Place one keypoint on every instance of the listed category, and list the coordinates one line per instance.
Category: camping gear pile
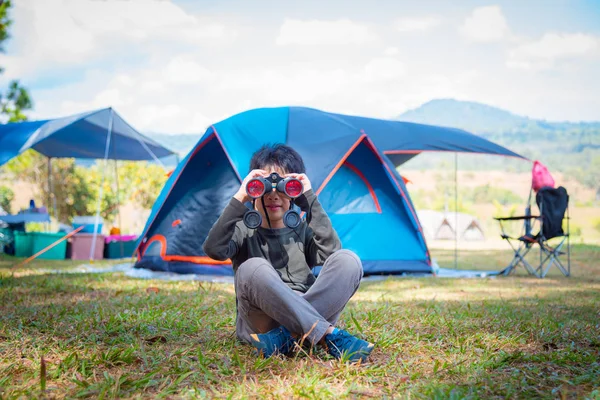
(82, 245)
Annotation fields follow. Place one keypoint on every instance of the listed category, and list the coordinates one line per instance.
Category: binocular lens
(255, 188)
(252, 219)
(291, 219)
(293, 188)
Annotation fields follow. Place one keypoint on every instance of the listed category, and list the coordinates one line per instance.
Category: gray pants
(264, 301)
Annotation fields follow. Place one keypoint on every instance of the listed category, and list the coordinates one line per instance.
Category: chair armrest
(517, 218)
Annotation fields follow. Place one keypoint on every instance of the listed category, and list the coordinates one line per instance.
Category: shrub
(596, 224)
(486, 194)
(6, 198)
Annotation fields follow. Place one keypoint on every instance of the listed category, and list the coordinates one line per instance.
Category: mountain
(474, 117)
(483, 119)
(181, 143)
(560, 145)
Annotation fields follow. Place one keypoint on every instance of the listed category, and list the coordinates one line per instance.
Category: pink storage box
(120, 238)
(80, 246)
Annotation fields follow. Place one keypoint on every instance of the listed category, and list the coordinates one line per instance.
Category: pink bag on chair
(541, 176)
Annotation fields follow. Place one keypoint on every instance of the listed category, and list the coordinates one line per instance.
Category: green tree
(485, 194)
(108, 202)
(451, 204)
(589, 175)
(70, 184)
(16, 99)
(6, 198)
(144, 181)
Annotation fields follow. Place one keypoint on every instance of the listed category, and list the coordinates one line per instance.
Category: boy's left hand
(303, 179)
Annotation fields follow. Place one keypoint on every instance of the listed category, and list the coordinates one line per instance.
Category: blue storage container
(88, 224)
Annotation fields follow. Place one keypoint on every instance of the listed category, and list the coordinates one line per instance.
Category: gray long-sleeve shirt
(292, 252)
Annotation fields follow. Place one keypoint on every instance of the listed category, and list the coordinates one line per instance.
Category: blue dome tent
(351, 164)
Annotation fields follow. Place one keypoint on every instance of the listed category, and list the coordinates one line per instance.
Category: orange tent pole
(33, 257)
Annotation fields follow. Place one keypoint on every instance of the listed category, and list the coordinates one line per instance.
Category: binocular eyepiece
(258, 187)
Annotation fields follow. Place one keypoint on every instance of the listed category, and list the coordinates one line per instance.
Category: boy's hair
(278, 155)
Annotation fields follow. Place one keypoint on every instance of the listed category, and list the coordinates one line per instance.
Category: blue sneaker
(276, 341)
(342, 345)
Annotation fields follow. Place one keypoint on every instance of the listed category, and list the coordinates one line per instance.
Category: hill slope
(484, 119)
(561, 145)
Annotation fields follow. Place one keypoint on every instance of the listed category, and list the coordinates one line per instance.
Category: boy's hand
(303, 179)
(241, 194)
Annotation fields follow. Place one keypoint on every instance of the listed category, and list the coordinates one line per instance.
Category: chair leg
(530, 269)
(568, 252)
(520, 259)
(552, 257)
(562, 268)
(513, 263)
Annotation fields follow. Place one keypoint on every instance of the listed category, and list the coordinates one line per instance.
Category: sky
(178, 66)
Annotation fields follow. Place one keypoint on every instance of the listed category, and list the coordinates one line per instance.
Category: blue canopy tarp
(400, 141)
(80, 136)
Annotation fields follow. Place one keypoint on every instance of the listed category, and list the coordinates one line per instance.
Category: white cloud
(319, 32)
(384, 68)
(183, 70)
(62, 33)
(167, 75)
(417, 24)
(485, 24)
(552, 48)
(154, 99)
(391, 51)
(293, 85)
(150, 100)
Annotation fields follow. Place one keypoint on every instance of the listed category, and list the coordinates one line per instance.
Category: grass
(111, 336)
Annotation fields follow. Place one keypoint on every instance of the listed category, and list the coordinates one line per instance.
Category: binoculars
(256, 188)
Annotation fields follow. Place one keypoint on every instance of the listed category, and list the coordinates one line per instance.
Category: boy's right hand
(241, 194)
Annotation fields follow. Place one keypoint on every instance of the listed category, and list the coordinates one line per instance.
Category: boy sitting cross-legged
(279, 300)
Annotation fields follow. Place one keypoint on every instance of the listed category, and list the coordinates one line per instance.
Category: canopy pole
(49, 203)
(100, 192)
(51, 195)
(119, 207)
(455, 210)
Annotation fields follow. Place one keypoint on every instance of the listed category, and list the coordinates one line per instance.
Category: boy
(278, 298)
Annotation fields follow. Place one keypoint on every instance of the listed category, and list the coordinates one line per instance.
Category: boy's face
(276, 204)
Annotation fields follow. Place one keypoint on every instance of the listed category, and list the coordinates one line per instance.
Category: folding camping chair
(552, 204)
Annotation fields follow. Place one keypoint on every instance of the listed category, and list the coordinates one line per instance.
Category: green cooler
(23, 242)
(41, 240)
